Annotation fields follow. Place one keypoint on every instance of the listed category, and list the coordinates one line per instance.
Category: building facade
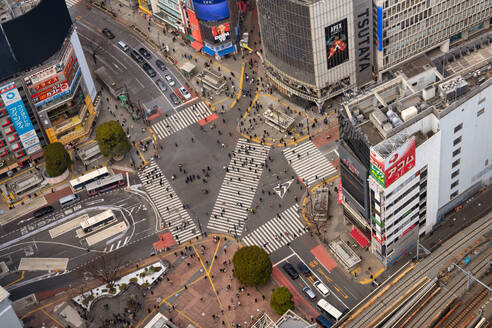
(316, 49)
(169, 12)
(7, 313)
(406, 29)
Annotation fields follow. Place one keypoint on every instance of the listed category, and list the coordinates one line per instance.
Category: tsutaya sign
(363, 40)
(388, 170)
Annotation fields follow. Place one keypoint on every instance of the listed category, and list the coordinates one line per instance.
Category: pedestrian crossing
(181, 120)
(278, 231)
(71, 3)
(116, 245)
(171, 209)
(238, 190)
(308, 162)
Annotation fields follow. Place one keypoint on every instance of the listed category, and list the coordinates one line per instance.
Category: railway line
(379, 307)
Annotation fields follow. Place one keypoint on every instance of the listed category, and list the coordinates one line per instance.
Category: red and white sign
(42, 75)
(50, 92)
(221, 32)
(340, 192)
(400, 162)
(46, 83)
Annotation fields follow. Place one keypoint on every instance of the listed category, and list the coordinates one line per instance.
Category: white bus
(80, 182)
(69, 200)
(106, 184)
(329, 309)
(93, 222)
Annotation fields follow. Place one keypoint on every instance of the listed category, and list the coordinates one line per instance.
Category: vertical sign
(337, 51)
(379, 40)
(363, 40)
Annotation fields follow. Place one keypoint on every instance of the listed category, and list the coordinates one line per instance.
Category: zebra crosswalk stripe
(239, 187)
(168, 204)
(308, 162)
(71, 3)
(181, 120)
(278, 231)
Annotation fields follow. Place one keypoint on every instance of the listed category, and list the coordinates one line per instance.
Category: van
(123, 46)
(69, 200)
(321, 288)
(43, 211)
(323, 322)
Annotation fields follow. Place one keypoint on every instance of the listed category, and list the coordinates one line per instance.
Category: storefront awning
(359, 238)
(226, 51)
(189, 37)
(208, 51)
(197, 45)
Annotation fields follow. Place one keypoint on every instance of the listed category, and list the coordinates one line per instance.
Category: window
(454, 174)
(453, 195)
(480, 112)
(457, 141)
(486, 162)
(456, 163)
(454, 184)
(457, 152)
(458, 127)
(481, 101)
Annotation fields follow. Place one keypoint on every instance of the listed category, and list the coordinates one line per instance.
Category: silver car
(309, 292)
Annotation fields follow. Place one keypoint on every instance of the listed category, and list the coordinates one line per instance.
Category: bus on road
(329, 309)
(106, 184)
(80, 182)
(100, 219)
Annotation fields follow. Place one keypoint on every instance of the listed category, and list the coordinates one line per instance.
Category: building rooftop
(3, 294)
(10, 9)
(420, 88)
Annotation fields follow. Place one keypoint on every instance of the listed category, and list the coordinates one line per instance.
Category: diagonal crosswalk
(308, 162)
(181, 120)
(168, 204)
(278, 231)
(239, 187)
(71, 3)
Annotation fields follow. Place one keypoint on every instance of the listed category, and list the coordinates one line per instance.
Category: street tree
(281, 300)
(106, 269)
(56, 158)
(112, 140)
(252, 266)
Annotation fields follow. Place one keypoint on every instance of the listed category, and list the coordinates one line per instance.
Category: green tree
(281, 300)
(252, 266)
(112, 139)
(56, 158)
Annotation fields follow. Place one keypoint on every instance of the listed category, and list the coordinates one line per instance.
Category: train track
(392, 290)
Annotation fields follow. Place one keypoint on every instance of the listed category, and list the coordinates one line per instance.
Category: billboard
(363, 40)
(336, 37)
(194, 26)
(388, 170)
(211, 10)
(18, 114)
(56, 90)
(221, 32)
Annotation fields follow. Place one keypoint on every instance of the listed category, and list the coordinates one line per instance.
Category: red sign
(340, 193)
(400, 162)
(46, 83)
(221, 32)
(407, 230)
(194, 26)
(50, 92)
(68, 66)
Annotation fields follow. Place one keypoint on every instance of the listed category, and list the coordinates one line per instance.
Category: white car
(169, 80)
(186, 94)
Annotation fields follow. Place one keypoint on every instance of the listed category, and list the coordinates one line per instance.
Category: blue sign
(17, 112)
(211, 10)
(380, 28)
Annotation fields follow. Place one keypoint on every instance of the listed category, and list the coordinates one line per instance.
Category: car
(289, 268)
(108, 33)
(160, 64)
(309, 292)
(149, 70)
(304, 269)
(174, 99)
(43, 211)
(161, 84)
(169, 80)
(186, 94)
(321, 288)
(136, 56)
(145, 53)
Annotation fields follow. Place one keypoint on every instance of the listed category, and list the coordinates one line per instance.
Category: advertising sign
(55, 92)
(211, 10)
(395, 165)
(337, 43)
(379, 40)
(194, 26)
(42, 75)
(340, 192)
(363, 40)
(46, 83)
(68, 66)
(221, 32)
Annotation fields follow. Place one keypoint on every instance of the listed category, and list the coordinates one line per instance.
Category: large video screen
(211, 10)
(337, 43)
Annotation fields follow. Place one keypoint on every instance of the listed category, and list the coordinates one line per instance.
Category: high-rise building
(8, 318)
(417, 146)
(316, 49)
(46, 89)
(407, 28)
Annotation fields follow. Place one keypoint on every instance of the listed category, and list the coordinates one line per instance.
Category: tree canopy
(56, 158)
(281, 300)
(252, 266)
(112, 139)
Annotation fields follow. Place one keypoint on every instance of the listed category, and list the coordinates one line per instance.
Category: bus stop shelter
(188, 69)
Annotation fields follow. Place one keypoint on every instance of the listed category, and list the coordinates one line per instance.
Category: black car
(43, 211)
(175, 99)
(161, 85)
(108, 33)
(149, 70)
(160, 64)
(136, 56)
(145, 53)
(290, 270)
(304, 269)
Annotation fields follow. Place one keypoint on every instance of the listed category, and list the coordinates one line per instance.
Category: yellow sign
(89, 104)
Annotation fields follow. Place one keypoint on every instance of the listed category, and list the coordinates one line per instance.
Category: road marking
(284, 259)
(119, 242)
(282, 188)
(95, 201)
(126, 240)
(111, 248)
(140, 83)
